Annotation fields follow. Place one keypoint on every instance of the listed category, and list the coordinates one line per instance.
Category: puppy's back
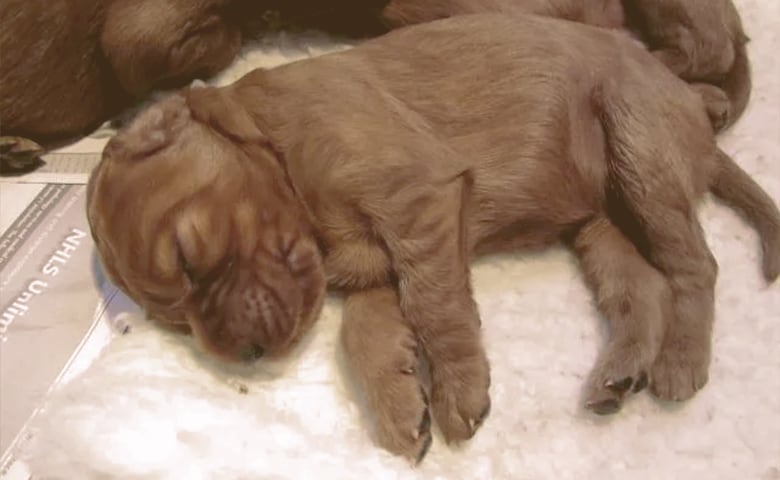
(518, 98)
(496, 60)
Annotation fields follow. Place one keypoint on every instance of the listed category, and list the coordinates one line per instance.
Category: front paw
(460, 397)
(403, 419)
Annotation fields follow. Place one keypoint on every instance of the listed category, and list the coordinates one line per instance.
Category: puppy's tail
(734, 187)
(627, 154)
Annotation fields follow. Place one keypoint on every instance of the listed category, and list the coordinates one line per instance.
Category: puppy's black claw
(425, 398)
(605, 407)
(426, 446)
(418, 353)
(484, 414)
(475, 424)
(621, 386)
(425, 423)
(641, 382)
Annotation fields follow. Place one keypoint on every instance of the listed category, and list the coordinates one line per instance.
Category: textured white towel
(151, 408)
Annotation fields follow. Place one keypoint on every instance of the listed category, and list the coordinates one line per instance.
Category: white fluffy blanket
(150, 407)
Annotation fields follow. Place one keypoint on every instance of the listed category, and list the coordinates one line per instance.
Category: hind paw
(680, 371)
(717, 104)
(621, 370)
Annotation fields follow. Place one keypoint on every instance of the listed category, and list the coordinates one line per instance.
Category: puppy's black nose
(252, 352)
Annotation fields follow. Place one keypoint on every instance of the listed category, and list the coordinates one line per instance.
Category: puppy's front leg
(382, 353)
(654, 189)
(423, 229)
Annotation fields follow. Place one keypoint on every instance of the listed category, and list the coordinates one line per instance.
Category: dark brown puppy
(69, 65)
(701, 41)
(352, 18)
(385, 169)
(599, 13)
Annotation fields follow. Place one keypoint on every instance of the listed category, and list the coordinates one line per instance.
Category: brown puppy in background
(69, 65)
(702, 41)
(383, 170)
(599, 13)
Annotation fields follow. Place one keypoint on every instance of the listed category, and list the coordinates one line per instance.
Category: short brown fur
(702, 41)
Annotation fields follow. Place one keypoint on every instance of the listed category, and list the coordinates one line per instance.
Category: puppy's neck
(271, 151)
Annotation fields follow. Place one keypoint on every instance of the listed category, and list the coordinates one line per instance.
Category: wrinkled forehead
(135, 200)
(148, 173)
(162, 147)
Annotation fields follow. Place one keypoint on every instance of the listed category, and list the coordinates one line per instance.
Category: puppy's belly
(535, 188)
(527, 220)
(521, 235)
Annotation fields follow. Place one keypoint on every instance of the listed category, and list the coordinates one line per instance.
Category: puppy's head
(195, 219)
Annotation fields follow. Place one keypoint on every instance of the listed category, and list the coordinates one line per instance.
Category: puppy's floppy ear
(219, 109)
(151, 131)
(155, 128)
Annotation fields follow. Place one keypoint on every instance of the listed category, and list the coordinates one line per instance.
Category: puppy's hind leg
(652, 166)
(682, 366)
(382, 353)
(632, 296)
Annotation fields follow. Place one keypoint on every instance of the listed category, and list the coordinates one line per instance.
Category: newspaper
(62, 167)
(56, 309)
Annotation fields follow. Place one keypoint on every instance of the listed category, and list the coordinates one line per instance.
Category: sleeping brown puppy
(702, 41)
(69, 65)
(382, 174)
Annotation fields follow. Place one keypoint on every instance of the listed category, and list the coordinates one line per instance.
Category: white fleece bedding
(149, 407)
